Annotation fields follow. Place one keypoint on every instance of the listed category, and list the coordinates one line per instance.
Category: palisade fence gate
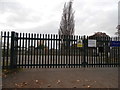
(26, 50)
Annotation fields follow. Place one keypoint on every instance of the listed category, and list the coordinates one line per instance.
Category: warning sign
(79, 43)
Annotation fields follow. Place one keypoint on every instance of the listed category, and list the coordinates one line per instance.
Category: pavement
(62, 78)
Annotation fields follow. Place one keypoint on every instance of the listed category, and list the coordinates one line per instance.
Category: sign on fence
(91, 43)
(115, 43)
(79, 43)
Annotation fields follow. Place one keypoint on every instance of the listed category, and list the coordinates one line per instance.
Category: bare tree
(118, 32)
(67, 21)
(66, 26)
(118, 27)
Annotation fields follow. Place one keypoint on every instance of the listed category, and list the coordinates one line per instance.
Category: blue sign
(115, 43)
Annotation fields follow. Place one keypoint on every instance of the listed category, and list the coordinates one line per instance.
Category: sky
(44, 16)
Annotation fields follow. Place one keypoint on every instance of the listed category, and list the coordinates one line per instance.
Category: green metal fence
(28, 50)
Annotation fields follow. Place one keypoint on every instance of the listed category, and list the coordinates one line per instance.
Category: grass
(112, 60)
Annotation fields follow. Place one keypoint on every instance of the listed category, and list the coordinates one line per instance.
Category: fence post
(118, 53)
(13, 55)
(118, 59)
(84, 47)
(0, 50)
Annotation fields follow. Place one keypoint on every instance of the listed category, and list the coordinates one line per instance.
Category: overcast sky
(44, 16)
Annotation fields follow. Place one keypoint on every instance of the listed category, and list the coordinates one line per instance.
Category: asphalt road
(63, 78)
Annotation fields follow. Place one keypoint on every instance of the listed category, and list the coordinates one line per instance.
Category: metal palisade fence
(28, 50)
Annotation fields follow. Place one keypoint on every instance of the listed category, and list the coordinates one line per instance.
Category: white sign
(91, 43)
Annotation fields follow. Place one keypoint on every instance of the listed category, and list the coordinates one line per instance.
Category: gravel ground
(63, 78)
